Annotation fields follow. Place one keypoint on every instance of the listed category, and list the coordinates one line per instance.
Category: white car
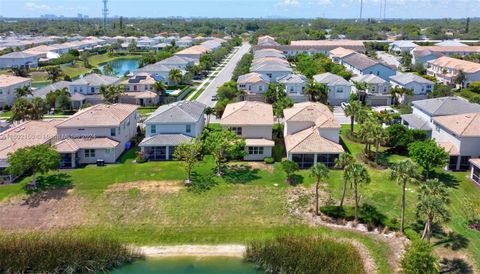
(344, 105)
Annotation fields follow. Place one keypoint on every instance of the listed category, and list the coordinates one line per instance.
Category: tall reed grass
(62, 253)
(290, 254)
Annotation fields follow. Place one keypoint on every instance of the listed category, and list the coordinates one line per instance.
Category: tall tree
(209, 111)
(357, 174)
(223, 145)
(175, 76)
(161, 89)
(34, 159)
(460, 78)
(398, 92)
(317, 92)
(352, 110)
(188, 153)
(319, 172)
(428, 155)
(20, 110)
(23, 91)
(290, 167)
(111, 93)
(54, 73)
(38, 108)
(343, 161)
(433, 198)
(404, 172)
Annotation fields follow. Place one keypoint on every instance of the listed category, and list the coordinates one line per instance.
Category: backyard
(147, 204)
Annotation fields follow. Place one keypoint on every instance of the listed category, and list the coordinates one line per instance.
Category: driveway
(340, 116)
(223, 76)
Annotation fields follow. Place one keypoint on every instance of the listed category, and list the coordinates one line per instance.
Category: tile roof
(316, 113)
(416, 122)
(404, 44)
(17, 55)
(175, 60)
(156, 67)
(369, 79)
(465, 125)
(94, 79)
(450, 43)
(42, 92)
(310, 141)
(360, 61)
(293, 79)
(262, 54)
(338, 43)
(9, 80)
(72, 145)
(449, 49)
(39, 49)
(140, 94)
(259, 142)
(446, 106)
(194, 50)
(27, 134)
(341, 52)
(475, 162)
(331, 79)
(271, 66)
(165, 140)
(178, 112)
(407, 78)
(450, 148)
(100, 115)
(253, 78)
(457, 64)
(141, 78)
(270, 59)
(247, 113)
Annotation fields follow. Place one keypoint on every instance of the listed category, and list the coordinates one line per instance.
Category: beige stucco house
(8, 88)
(252, 121)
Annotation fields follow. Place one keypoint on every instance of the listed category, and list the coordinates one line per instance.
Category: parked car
(214, 98)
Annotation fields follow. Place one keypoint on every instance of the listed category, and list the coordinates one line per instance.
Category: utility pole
(105, 14)
(361, 9)
(385, 10)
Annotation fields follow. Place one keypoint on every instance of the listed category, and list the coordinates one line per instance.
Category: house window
(237, 130)
(304, 160)
(89, 153)
(153, 129)
(188, 128)
(327, 159)
(255, 150)
(339, 90)
(113, 132)
(260, 88)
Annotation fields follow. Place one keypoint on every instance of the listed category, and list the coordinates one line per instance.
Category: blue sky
(243, 8)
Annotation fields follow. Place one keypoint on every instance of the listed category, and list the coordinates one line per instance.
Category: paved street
(224, 76)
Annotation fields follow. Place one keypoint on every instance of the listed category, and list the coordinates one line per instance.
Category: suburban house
(377, 93)
(18, 59)
(158, 71)
(98, 133)
(459, 135)
(360, 64)
(16, 137)
(44, 52)
(338, 54)
(8, 88)
(194, 52)
(450, 43)
(263, 60)
(253, 83)
(445, 69)
(402, 46)
(169, 126)
(139, 91)
(268, 53)
(295, 85)
(424, 111)
(91, 83)
(42, 92)
(339, 88)
(177, 62)
(266, 40)
(272, 69)
(312, 135)
(427, 53)
(315, 46)
(420, 86)
(475, 170)
(252, 121)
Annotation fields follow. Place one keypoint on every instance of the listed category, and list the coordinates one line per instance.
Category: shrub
(59, 253)
(292, 254)
(418, 259)
(201, 184)
(269, 160)
(368, 215)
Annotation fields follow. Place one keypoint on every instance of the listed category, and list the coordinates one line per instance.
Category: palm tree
(175, 76)
(20, 110)
(397, 92)
(351, 110)
(366, 134)
(379, 135)
(361, 87)
(319, 172)
(460, 78)
(110, 94)
(160, 88)
(38, 107)
(404, 172)
(54, 73)
(209, 111)
(433, 198)
(357, 174)
(343, 161)
(23, 91)
(318, 92)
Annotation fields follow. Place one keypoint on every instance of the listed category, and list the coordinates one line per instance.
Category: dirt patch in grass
(255, 165)
(148, 186)
(43, 211)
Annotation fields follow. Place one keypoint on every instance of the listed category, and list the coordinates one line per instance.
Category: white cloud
(36, 7)
(288, 3)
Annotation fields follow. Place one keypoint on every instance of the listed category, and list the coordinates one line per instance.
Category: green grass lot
(248, 203)
(75, 70)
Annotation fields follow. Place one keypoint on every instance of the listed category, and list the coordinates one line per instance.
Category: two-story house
(445, 69)
(312, 135)
(18, 59)
(101, 132)
(252, 121)
(272, 69)
(419, 86)
(339, 89)
(338, 54)
(169, 126)
(139, 90)
(360, 64)
(378, 90)
(253, 83)
(8, 88)
(459, 135)
(90, 84)
(424, 111)
(295, 85)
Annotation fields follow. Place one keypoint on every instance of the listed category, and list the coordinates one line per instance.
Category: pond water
(121, 66)
(190, 265)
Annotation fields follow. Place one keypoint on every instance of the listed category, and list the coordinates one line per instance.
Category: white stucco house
(252, 121)
(295, 85)
(91, 83)
(101, 132)
(253, 83)
(445, 69)
(312, 135)
(272, 70)
(360, 64)
(8, 87)
(378, 90)
(401, 46)
(339, 88)
(19, 59)
(420, 86)
(459, 135)
(169, 126)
